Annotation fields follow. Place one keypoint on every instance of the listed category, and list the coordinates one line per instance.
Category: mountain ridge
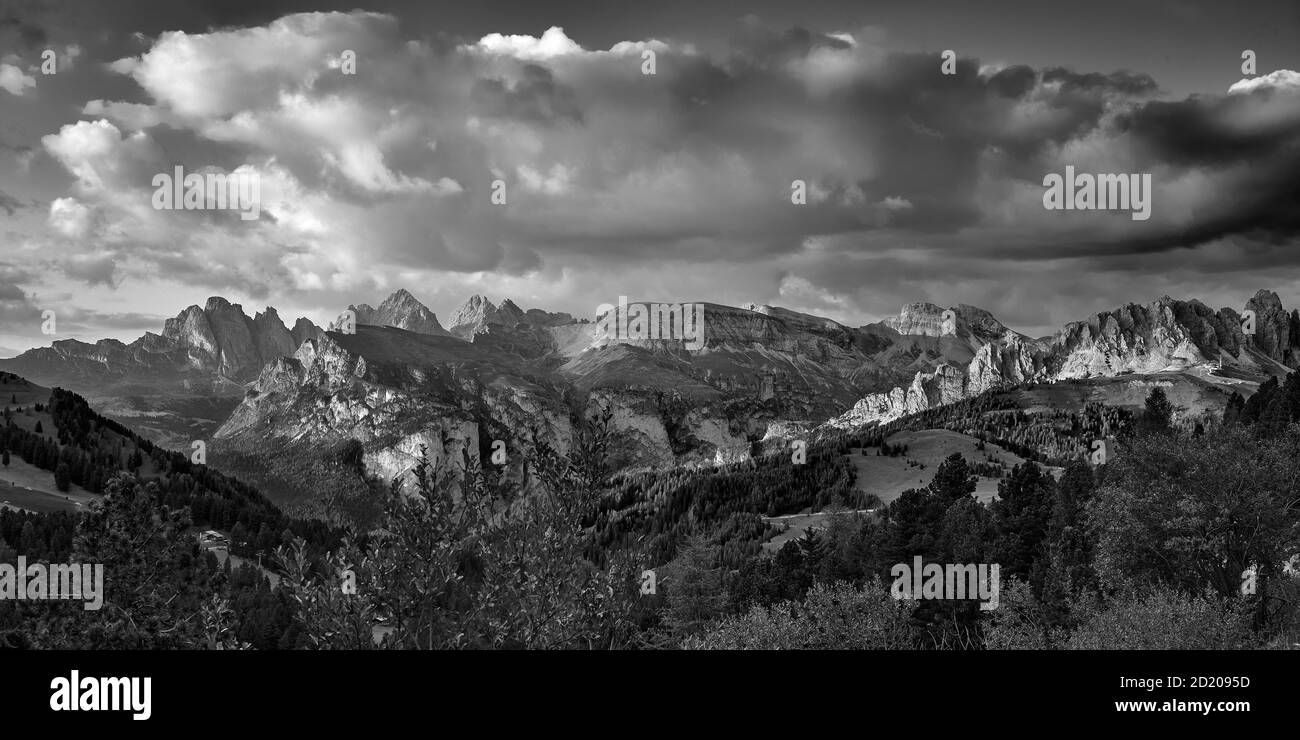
(764, 374)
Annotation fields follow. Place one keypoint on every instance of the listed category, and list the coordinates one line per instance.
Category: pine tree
(1070, 545)
(62, 477)
(695, 592)
(1157, 417)
(953, 479)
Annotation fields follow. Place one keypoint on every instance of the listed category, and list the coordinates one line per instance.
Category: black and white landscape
(942, 325)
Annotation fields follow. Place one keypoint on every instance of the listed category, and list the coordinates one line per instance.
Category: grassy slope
(889, 477)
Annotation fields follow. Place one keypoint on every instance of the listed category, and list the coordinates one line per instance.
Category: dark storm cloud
(374, 178)
(1214, 131)
(1013, 82)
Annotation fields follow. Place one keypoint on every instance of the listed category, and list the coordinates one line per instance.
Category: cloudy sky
(676, 186)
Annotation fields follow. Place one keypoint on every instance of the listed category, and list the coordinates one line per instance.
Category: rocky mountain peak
(217, 303)
(269, 316)
(1265, 300)
(473, 317)
(221, 337)
(982, 323)
(304, 329)
(477, 307)
(508, 308)
(401, 310)
(919, 319)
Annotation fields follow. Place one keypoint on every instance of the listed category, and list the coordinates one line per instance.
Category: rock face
(403, 311)
(392, 391)
(303, 330)
(221, 337)
(1166, 335)
(946, 384)
(1014, 360)
(1277, 333)
(918, 319)
(479, 314)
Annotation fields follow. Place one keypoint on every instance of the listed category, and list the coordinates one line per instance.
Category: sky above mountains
(676, 186)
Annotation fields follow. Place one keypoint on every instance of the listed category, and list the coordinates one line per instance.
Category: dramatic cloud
(531, 163)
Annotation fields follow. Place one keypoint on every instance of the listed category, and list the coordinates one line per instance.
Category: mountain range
(264, 395)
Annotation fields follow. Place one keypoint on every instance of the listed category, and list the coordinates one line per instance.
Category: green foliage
(658, 511)
(1071, 545)
(1158, 413)
(1199, 512)
(1020, 622)
(1021, 516)
(694, 588)
(152, 590)
(833, 617)
(464, 562)
(62, 477)
(1164, 619)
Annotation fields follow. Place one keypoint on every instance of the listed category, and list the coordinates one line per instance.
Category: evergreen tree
(953, 479)
(1070, 544)
(62, 477)
(695, 594)
(1157, 417)
(1021, 517)
(30, 544)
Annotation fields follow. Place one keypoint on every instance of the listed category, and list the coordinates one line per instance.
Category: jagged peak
(1265, 297)
(217, 303)
(402, 298)
(268, 315)
(476, 309)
